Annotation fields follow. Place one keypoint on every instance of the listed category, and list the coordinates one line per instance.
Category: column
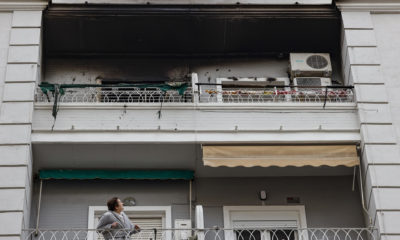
(20, 33)
(380, 153)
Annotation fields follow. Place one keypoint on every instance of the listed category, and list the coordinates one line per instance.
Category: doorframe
(298, 208)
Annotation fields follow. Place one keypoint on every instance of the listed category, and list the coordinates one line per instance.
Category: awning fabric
(116, 174)
(280, 156)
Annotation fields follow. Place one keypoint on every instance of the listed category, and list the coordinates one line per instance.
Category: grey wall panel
(329, 201)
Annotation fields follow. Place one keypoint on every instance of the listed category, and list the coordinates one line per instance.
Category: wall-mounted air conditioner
(310, 65)
(312, 81)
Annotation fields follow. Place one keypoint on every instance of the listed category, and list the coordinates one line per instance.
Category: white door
(263, 222)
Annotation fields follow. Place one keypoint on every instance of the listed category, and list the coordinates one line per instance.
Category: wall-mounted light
(263, 195)
(129, 201)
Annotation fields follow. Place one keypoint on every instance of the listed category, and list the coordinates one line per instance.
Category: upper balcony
(191, 72)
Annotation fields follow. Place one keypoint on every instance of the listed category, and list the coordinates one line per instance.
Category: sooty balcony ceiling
(148, 30)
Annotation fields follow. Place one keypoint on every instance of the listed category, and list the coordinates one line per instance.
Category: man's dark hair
(112, 203)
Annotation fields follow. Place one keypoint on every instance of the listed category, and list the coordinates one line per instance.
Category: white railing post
(219, 90)
(195, 88)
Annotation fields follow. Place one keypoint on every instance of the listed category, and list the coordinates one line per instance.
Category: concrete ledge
(371, 93)
(16, 112)
(21, 73)
(14, 155)
(357, 20)
(363, 55)
(366, 75)
(15, 134)
(13, 224)
(15, 92)
(13, 177)
(360, 38)
(374, 113)
(25, 36)
(28, 18)
(12, 199)
(378, 134)
(23, 54)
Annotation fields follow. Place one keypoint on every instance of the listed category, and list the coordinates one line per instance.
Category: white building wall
(19, 63)
(371, 52)
(387, 35)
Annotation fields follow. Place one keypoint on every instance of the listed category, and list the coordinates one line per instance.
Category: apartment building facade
(202, 116)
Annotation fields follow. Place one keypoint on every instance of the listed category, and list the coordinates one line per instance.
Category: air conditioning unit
(312, 81)
(310, 65)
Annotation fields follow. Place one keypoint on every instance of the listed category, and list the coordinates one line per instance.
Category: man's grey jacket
(124, 229)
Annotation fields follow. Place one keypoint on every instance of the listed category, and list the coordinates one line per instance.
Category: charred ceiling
(92, 30)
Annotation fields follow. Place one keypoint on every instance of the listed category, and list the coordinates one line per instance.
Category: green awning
(116, 174)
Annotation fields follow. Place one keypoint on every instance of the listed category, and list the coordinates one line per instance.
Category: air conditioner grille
(317, 61)
(308, 81)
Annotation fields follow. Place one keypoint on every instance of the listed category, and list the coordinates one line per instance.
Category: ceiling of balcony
(157, 156)
(147, 30)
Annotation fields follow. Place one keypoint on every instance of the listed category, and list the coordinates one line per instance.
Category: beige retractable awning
(280, 156)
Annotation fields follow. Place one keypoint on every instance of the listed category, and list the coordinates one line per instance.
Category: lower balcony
(215, 233)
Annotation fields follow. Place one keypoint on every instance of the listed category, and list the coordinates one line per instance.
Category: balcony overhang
(189, 30)
(156, 156)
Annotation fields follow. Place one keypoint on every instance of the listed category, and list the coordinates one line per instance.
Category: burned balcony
(216, 42)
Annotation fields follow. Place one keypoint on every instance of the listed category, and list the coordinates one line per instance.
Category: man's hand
(137, 228)
(114, 225)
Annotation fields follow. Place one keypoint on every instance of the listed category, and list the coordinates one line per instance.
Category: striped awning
(280, 156)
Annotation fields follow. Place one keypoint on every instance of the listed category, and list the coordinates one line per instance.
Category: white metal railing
(272, 94)
(205, 234)
(115, 95)
(204, 94)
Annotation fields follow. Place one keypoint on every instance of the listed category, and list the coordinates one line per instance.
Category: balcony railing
(206, 234)
(215, 93)
(116, 95)
(204, 93)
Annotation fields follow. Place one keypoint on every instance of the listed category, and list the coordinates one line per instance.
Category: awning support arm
(38, 207)
(190, 200)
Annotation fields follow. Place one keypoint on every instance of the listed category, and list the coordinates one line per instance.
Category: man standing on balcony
(114, 224)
